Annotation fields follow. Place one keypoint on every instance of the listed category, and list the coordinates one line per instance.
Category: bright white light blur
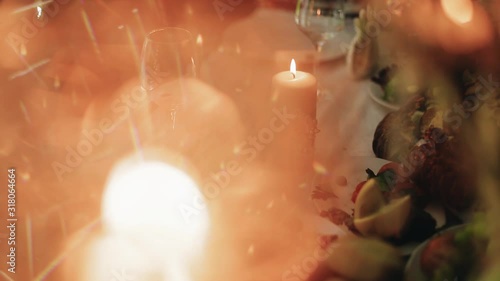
(293, 67)
(115, 258)
(459, 11)
(147, 235)
(199, 40)
(146, 197)
(38, 12)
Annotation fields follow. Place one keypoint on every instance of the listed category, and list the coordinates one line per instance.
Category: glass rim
(185, 36)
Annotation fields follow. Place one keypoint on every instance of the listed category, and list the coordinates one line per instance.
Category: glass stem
(172, 116)
(322, 92)
(319, 46)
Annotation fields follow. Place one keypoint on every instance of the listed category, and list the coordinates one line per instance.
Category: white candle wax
(294, 93)
(297, 90)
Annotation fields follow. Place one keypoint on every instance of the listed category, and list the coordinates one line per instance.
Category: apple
(373, 216)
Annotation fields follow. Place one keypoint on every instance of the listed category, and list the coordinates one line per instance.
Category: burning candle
(294, 93)
(297, 90)
(145, 230)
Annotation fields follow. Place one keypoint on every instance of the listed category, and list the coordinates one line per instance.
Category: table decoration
(373, 204)
(168, 53)
(434, 134)
(321, 21)
(363, 51)
(295, 92)
(269, 31)
(461, 250)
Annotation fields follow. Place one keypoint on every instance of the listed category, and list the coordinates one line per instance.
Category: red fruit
(439, 252)
(391, 174)
(357, 190)
(389, 166)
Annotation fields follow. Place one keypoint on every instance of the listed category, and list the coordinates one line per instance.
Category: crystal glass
(321, 21)
(168, 54)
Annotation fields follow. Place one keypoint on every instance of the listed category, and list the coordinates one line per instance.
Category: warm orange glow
(457, 26)
(199, 40)
(293, 68)
(459, 11)
(144, 200)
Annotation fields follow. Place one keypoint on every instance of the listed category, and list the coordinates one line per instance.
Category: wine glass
(168, 53)
(321, 21)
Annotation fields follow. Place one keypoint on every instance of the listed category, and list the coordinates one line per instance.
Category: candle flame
(293, 68)
(459, 11)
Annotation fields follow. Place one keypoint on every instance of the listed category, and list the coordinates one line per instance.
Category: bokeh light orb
(150, 196)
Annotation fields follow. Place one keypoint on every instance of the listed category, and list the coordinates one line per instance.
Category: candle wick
(293, 75)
